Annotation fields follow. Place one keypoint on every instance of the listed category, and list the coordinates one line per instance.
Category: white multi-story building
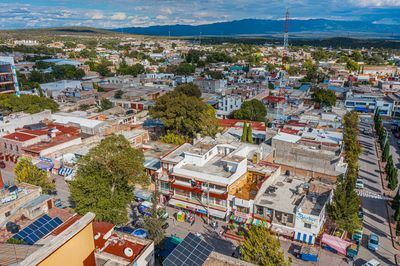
(199, 177)
(293, 207)
(227, 104)
(368, 103)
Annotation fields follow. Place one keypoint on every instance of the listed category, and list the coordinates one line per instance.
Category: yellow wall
(73, 252)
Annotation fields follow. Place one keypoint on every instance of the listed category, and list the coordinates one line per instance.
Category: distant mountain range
(312, 27)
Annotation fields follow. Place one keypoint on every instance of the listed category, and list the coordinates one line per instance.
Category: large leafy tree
(105, 179)
(189, 89)
(344, 207)
(26, 172)
(253, 110)
(185, 114)
(10, 103)
(262, 247)
(324, 97)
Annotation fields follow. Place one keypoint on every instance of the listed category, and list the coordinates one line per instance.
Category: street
(375, 210)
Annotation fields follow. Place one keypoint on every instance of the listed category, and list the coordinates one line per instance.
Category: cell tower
(285, 38)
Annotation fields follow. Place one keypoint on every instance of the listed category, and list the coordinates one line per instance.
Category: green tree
(11, 103)
(118, 94)
(386, 152)
(324, 97)
(250, 134)
(185, 115)
(26, 172)
(193, 56)
(262, 247)
(174, 138)
(244, 133)
(397, 213)
(189, 89)
(154, 223)
(105, 179)
(105, 104)
(352, 65)
(344, 207)
(252, 110)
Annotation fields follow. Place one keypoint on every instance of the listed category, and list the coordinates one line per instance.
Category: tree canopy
(253, 110)
(105, 179)
(26, 172)
(262, 247)
(324, 97)
(11, 103)
(189, 89)
(345, 203)
(185, 114)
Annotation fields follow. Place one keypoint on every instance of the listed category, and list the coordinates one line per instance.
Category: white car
(372, 263)
(359, 183)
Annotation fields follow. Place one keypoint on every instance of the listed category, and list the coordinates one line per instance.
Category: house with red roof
(35, 141)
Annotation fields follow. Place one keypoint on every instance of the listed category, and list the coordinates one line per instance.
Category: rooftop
(282, 195)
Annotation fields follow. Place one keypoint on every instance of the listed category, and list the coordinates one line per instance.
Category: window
(307, 225)
(16, 148)
(7, 213)
(10, 146)
(260, 210)
(5, 146)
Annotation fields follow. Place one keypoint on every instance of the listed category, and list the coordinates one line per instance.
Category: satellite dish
(97, 236)
(128, 252)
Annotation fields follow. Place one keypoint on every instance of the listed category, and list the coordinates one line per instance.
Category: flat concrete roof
(284, 198)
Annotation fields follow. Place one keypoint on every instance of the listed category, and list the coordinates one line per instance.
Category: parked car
(359, 183)
(360, 213)
(372, 262)
(373, 242)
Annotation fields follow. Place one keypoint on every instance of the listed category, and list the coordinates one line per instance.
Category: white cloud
(161, 17)
(119, 16)
(95, 15)
(376, 3)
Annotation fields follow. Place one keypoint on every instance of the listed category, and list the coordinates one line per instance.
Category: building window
(260, 210)
(5, 146)
(7, 214)
(307, 225)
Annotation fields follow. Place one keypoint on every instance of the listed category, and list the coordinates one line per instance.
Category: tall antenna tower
(285, 38)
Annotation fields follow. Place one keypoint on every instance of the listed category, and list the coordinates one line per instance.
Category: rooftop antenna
(285, 38)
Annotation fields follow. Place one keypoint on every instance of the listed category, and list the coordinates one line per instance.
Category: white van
(372, 262)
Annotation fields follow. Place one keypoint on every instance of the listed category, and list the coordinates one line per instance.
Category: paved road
(375, 211)
(62, 188)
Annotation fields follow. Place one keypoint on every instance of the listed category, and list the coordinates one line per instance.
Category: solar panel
(38, 229)
(191, 251)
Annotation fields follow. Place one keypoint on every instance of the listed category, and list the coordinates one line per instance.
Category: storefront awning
(336, 243)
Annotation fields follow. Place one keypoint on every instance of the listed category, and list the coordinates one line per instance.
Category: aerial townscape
(133, 133)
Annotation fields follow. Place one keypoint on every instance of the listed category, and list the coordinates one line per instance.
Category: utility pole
(208, 203)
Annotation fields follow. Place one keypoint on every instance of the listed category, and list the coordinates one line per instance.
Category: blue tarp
(65, 171)
(362, 109)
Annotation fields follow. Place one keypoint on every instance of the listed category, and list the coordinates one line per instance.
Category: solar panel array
(191, 251)
(38, 229)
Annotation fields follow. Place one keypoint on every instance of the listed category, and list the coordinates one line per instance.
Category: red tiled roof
(289, 131)
(275, 99)
(101, 228)
(239, 123)
(117, 249)
(296, 123)
(19, 136)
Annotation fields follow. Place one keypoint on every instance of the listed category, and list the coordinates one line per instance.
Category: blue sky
(123, 13)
